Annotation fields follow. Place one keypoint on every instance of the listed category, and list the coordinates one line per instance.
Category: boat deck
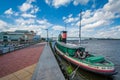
(47, 68)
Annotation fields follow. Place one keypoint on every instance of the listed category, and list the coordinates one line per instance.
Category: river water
(110, 49)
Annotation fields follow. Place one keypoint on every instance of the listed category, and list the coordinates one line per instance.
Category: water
(110, 49)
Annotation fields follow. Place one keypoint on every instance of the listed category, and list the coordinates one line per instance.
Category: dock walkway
(47, 67)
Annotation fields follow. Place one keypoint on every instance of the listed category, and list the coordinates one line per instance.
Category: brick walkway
(14, 61)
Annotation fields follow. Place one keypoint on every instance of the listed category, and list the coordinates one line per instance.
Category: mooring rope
(74, 72)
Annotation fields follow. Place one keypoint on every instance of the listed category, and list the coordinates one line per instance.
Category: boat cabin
(70, 49)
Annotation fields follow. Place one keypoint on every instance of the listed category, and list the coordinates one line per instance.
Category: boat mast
(80, 28)
(65, 27)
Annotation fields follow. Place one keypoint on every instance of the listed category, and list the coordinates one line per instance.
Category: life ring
(80, 54)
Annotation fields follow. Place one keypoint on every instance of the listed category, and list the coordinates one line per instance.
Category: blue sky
(100, 18)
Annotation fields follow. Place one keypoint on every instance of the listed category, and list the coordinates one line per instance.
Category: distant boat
(78, 56)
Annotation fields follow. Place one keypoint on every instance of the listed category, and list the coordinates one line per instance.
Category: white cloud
(113, 6)
(97, 15)
(44, 21)
(58, 27)
(9, 11)
(25, 7)
(58, 3)
(83, 2)
(24, 27)
(64, 18)
(3, 25)
(73, 32)
(25, 15)
(34, 10)
(70, 15)
(28, 10)
(109, 33)
(22, 21)
(48, 2)
(87, 14)
(93, 21)
(70, 19)
(30, 1)
(100, 23)
(31, 23)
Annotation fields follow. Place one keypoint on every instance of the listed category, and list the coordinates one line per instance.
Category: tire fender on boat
(80, 54)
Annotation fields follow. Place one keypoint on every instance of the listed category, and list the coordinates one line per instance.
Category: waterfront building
(18, 35)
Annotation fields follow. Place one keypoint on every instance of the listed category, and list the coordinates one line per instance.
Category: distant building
(37, 37)
(18, 35)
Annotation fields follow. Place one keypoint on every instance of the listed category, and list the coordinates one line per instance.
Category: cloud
(96, 16)
(58, 3)
(83, 2)
(9, 11)
(24, 27)
(44, 22)
(27, 23)
(21, 21)
(112, 6)
(25, 15)
(3, 25)
(34, 10)
(73, 32)
(30, 1)
(25, 7)
(94, 20)
(31, 24)
(100, 23)
(28, 6)
(87, 14)
(70, 19)
(58, 27)
(112, 32)
(48, 2)
(95, 23)
(24, 18)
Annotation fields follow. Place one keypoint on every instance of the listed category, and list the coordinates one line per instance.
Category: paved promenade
(20, 59)
(47, 68)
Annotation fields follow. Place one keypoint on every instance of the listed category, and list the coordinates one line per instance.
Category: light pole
(47, 35)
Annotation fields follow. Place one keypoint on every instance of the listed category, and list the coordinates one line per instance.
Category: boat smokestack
(64, 36)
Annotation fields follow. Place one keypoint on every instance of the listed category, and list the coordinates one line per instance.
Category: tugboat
(77, 55)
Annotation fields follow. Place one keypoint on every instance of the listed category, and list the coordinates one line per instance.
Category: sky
(100, 18)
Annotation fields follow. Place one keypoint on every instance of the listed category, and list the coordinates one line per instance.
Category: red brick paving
(20, 59)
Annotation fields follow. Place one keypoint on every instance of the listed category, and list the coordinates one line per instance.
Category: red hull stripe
(85, 67)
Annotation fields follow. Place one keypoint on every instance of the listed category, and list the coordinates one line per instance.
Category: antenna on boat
(65, 27)
(80, 27)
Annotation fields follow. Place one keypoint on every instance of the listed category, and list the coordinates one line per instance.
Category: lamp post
(47, 35)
